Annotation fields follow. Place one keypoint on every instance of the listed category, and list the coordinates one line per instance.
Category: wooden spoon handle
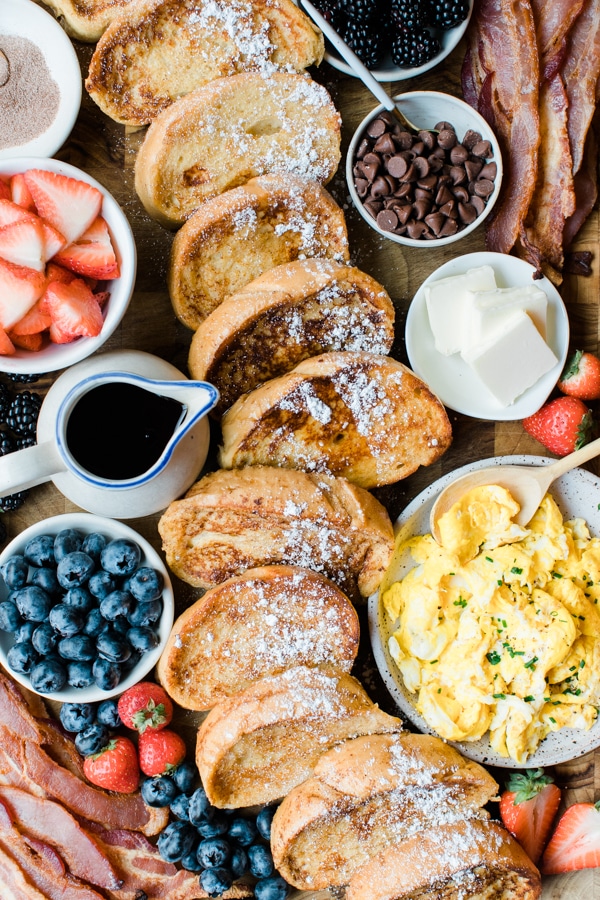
(585, 453)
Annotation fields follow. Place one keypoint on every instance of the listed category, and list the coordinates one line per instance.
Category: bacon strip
(15, 885)
(580, 73)
(554, 20)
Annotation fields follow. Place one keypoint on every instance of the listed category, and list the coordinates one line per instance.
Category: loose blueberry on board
(264, 820)
(272, 888)
(92, 739)
(243, 831)
(176, 840)
(216, 881)
(160, 791)
(108, 714)
(260, 861)
(76, 717)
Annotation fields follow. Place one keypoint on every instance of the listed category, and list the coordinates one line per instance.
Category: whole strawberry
(562, 425)
(581, 376)
(115, 767)
(160, 751)
(145, 705)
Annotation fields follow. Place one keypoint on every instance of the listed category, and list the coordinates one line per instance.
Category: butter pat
(513, 360)
(446, 306)
(488, 310)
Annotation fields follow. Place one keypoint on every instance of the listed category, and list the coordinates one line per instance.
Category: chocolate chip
(447, 139)
(467, 213)
(376, 128)
(458, 155)
(489, 170)
(397, 166)
(471, 138)
(380, 188)
(482, 149)
(385, 144)
(483, 187)
(387, 220)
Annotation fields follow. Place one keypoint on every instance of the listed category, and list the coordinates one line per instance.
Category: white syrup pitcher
(121, 434)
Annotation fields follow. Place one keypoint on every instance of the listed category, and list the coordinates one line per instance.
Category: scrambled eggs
(498, 626)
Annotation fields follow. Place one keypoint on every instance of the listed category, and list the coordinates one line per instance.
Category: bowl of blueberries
(86, 607)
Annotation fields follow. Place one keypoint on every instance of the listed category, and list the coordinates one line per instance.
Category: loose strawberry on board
(575, 843)
(562, 425)
(146, 705)
(528, 807)
(92, 254)
(68, 204)
(160, 751)
(581, 376)
(115, 767)
(74, 311)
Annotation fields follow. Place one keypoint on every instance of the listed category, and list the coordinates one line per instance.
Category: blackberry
(17, 378)
(7, 444)
(413, 48)
(448, 13)
(409, 13)
(23, 413)
(359, 10)
(13, 501)
(367, 43)
(22, 442)
(330, 10)
(5, 400)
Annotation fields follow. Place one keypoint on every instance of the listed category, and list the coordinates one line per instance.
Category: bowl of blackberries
(396, 39)
(434, 180)
(86, 606)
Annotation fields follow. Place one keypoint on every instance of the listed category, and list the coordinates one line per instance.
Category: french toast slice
(363, 416)
(472, 860)
(367, 794)
(233, 129)
(237, 236)
(235, 520)
(255, 746)
(287, 314)
(156, 51)
(86, 20)
(260, 623)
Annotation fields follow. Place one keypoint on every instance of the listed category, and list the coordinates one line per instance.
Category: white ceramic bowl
(60, 356)
(425, 109)
(387, 71)
(111, 528)
(576, 494)
(26, 19)
(450, 377)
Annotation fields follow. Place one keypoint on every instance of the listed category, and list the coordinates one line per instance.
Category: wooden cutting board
(107, 152)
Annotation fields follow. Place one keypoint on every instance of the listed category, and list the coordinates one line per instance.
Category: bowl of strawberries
(67, 265)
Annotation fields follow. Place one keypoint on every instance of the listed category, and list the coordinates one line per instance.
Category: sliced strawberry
(23, 243)
(102, 298)
(20, 192)
(528, 808)
(4, 188)
(7, 348)
(68, 204)
(36, 320)
(54, 272)
(575, 843)
(20, 287)
(92, 254)
(10, 213)
(33, 342)
(74, 311)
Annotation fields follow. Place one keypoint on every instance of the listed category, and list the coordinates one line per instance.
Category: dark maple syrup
(118, 431)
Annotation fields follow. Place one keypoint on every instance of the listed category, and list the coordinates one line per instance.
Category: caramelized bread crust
(231, 521)
(260, 623)
(255, 746)
(86, 20)
(363, 416)
(237, 236)
(231, 130)
(288, 314)
(158, 50)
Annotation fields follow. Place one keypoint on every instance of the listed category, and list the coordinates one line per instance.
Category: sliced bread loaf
(254, 747)
(287, 314)
(260, 623)
(86, 20)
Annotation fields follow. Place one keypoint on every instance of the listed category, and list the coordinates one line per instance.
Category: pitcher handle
(30, 466)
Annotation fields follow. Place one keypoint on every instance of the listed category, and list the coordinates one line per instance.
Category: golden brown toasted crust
(367, 794)
(287, 314)
(86, 20)
(233, 129)
(236, 237)
(158, 50)
(260, 623)
(255, 746)
(230, 521)
(472, 860)
(363, 416)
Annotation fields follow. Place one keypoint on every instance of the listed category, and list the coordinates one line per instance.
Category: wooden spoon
(527, 484)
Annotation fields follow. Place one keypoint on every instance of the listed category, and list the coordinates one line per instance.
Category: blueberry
(264, 820)
(242, 831)
(213, 852)
(143, 638)
(180, 807)
(14, 571)
(159, 791)
(101, 584)
(108, 714)
(112, 646)
(146, 613)
(67, 541)
(79, 598)
(272, 888)
(107, 674)
(77, 716)
(93, 544)
(78, 648)
(25, 631)
(216, 881)
(10, 618)
(39, 551)
(66, 620)
(94, 623)
(200, 807)
(121, 557)
(45, 577)
(184, 777)
(116, 604)
(238, 862)
(120, 626)
(33, 603)
(74, 569)
(130, 663)
(48, 676)
(215, 826)
(80, 674)
(190, 861)
(44, 638)
(92, 739)
(22, 657)
(175, 841)
(146, 584)
(260, 861)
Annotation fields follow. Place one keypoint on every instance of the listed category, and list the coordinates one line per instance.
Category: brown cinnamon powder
(29, 97)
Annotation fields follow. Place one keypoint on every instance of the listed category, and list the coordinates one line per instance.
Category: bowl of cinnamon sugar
(40, 81)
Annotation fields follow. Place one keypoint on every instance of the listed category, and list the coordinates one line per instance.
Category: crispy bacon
(553, 23)
(15, 885)
(580, 72)
(586, 189)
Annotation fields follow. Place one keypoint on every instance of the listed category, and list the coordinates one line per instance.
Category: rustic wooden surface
(107, 151)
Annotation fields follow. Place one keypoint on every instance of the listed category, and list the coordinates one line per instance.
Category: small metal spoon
(527, 484)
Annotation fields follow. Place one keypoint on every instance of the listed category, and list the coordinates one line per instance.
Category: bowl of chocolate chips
(436, 181)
